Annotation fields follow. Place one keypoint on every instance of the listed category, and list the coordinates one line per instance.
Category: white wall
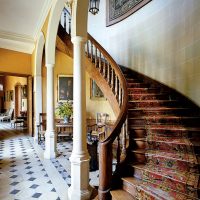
(161, 40)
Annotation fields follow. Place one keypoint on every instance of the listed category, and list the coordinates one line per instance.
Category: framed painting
(24, 91)
(95, 91)
(65, 88)
(117, 10)
(11, 95)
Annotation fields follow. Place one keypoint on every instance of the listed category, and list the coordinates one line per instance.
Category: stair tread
(172, 174)
(171, 140)
(121, 194)
(165, 117)
(158, 108)
(169, 155)
(166, 127)
(154, 190)
(153, 100)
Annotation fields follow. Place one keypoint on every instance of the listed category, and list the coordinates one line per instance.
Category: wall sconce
(94, 6)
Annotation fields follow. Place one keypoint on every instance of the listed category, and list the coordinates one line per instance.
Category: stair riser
(173, 148)
(142, 132)
(148, 97)
(164, 162)
(163, 180)
(143, 113)
(142, 90)
(137, 85)
(129, 188)
(186, 121)
(133, 81)
(153, 104)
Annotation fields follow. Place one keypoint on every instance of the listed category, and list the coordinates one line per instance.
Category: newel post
(105, 171)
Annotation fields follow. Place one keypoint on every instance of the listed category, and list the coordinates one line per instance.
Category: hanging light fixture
(94, 6)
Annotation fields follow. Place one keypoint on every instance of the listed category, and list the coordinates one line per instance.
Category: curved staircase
(161, 159)
(163, 155)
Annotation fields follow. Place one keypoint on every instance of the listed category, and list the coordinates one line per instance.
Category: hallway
(25, 174)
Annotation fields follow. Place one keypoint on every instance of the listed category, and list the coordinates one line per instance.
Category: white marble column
(38, 103)
(80, 158)
(50, 135)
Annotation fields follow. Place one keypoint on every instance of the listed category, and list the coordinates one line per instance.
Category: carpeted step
(133, 80)
(184, 182)
(156, 111)
(169, 144)
(144, 131)
(121, 194)
(181, 161)
(149, 96)
(145, 190)
(137, 85)
(153, 103)
(143, 90)
(165, 119)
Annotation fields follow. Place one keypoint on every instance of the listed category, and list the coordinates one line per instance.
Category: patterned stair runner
(164, 144)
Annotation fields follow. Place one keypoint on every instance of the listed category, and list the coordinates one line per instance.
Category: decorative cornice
(45, 10)
(16, 42)
(16, 37)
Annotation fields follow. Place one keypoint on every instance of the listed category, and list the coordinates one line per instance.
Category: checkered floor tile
(23, 175)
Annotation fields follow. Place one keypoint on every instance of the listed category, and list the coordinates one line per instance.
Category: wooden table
(64, 130)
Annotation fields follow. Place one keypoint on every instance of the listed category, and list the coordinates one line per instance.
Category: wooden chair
(41, 127)
(98, 129)
(7, 116)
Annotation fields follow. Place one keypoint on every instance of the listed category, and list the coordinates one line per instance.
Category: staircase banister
(111, 61)
(123, 111)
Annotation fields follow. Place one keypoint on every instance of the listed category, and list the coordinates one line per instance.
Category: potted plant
(64, 110)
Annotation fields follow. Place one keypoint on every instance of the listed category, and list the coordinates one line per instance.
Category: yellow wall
(15, 62)
(161, 40)
(94, 106)
(64, 66)
(10, 83)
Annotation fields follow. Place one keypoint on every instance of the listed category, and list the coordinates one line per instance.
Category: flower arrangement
(64, 109)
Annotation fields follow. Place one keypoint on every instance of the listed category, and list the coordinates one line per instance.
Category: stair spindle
(100, 61)
(118, 149)
(91, 55)
(65, 19)
(95, 57)
(124, 133)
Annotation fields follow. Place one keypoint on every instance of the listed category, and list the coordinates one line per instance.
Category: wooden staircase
(161, 159)
(163, 155)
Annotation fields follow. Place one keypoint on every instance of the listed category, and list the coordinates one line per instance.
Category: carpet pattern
(165, 144)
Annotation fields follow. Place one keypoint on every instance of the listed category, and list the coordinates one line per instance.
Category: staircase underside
(163, 157)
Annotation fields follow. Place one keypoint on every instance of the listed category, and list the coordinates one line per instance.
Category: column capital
(49, 65)
(78, 39)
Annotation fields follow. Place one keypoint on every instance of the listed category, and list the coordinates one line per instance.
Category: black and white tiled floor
(26, 175)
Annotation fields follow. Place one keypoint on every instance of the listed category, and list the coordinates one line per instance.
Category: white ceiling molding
(22, 45)
(45, 10)
(21, 35)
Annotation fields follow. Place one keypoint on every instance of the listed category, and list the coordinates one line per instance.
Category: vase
(66, 119)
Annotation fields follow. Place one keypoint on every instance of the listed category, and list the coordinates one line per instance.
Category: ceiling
(20, 23)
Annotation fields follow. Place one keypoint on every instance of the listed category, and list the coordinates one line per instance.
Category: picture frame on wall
(24, 91)
(11, 95)
(95, 91)
(117, 10)
(65, 88)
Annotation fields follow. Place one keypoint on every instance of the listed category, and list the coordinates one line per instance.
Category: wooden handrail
(115, 79)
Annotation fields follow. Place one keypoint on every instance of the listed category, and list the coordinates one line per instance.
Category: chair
(100, 127)
(7, 115)
(41, 127)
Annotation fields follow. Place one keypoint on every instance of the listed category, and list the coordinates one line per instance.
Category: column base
(50, 145)
(79, 194)
(80, 188)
